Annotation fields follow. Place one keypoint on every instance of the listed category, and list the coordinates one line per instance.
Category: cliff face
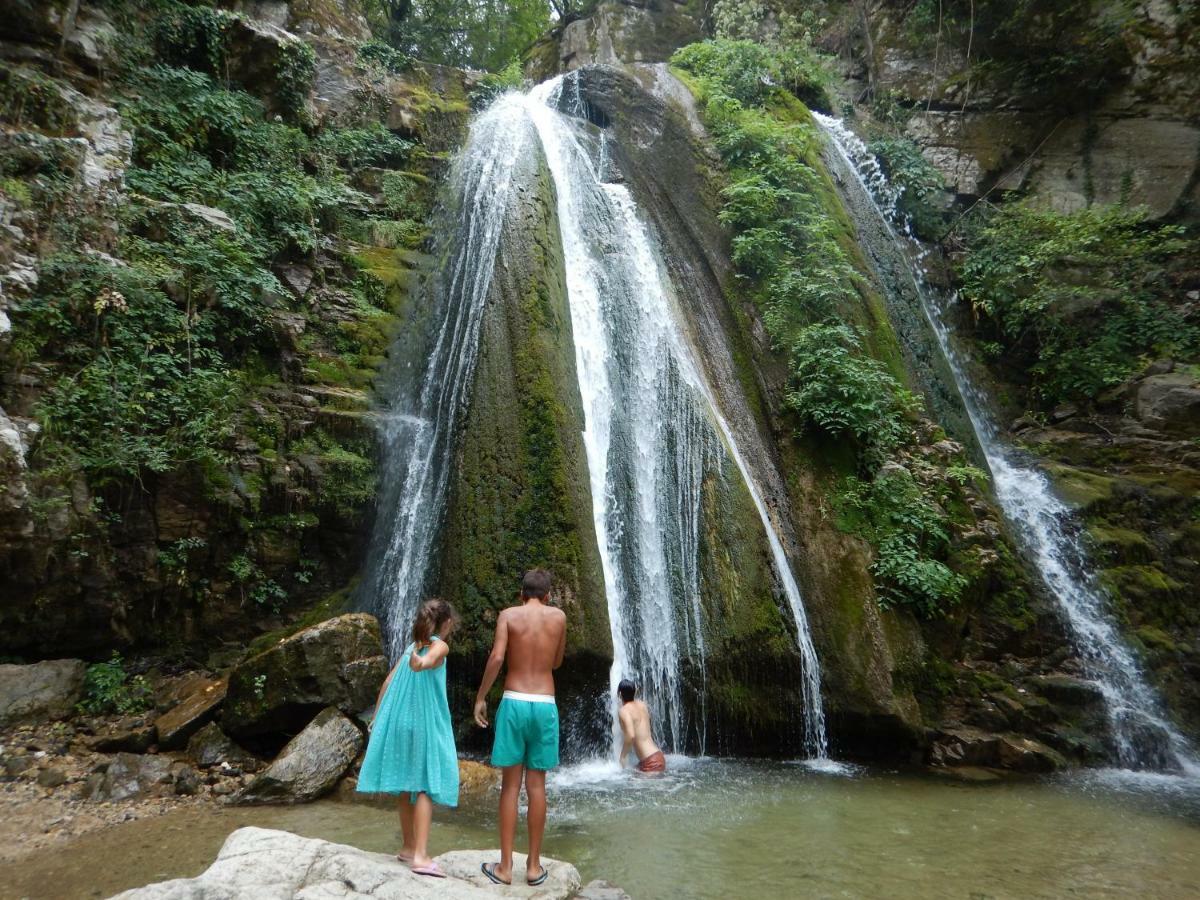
(210, 229)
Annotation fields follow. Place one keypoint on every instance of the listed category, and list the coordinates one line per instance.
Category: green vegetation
(844, 392)
(1068, 50)
(910, 531)
(488, 34)
(920, 184)
(1079, 301)
(108, 688)
(797, 258)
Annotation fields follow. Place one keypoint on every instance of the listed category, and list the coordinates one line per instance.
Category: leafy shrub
(838, 389)
(748, 71)
(919, 182)
(912, 538)
(1079, 300)
(107, 688)
(384, 56)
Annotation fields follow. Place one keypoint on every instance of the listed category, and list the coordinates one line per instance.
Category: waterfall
(653, 429)
(654, 435)
(419, 426)
(1042, 523)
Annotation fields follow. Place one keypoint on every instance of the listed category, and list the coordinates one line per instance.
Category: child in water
(411, 751)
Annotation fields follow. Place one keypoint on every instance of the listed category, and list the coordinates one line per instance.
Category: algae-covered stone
(339, 663)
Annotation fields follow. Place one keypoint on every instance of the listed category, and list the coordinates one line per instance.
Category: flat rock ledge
(264, 864)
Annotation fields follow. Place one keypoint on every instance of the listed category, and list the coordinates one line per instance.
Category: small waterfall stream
(419, 426)
(1042, 523)
(654, 434)
(654, 430)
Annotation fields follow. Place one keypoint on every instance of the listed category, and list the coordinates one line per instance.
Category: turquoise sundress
(411, 749)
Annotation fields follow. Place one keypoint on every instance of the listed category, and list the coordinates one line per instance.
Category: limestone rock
(275, 865)
(311, 764)
(210, 746)
(130, 775)
(1169, 403)
(179, 723)
(43, 690)
(338, 662)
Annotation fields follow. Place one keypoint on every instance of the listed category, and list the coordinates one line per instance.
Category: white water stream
(1043, 523)
(653, 430)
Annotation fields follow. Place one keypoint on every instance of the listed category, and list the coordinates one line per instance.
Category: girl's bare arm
(437, 652)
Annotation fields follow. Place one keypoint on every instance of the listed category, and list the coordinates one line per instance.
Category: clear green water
(736, 829)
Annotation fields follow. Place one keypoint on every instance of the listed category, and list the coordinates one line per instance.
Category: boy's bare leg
(535, 788)
(422, 820)
(510, 794)
(407, 831)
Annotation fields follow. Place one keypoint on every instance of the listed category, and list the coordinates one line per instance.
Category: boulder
(338, 662)
(964, 746)
(256, 55)
(41, 691)
(267, 864)
(130, 775)
(196, 708)
(1067, 690)
(1169, 403)
(1022, 754)
(210, 746)
(311, 763)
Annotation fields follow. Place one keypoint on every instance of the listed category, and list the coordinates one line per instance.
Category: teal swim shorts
(526, 731)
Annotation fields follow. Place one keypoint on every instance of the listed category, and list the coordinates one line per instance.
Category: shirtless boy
(635, 727)
(531, 638)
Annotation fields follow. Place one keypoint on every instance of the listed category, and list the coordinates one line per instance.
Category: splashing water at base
(1043, 524)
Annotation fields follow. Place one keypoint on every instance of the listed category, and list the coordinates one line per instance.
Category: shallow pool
(721, 828)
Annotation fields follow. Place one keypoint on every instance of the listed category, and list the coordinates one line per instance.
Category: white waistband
(529, 698)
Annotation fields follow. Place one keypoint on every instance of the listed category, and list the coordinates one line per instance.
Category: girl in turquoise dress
(411, 751)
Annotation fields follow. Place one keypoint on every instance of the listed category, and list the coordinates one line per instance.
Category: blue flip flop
(492, 876)
(534, 882)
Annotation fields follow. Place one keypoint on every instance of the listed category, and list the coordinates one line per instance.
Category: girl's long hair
(433, 612)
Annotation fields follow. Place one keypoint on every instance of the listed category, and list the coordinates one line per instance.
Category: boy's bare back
(535, 637)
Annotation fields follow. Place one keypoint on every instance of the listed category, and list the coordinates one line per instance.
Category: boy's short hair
(536, 583)
(626, 689)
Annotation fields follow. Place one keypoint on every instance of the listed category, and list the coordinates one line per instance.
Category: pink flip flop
(431, 870)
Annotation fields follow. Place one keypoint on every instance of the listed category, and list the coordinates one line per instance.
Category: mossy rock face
(520, 495)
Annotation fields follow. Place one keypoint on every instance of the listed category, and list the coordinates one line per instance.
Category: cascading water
(653, 428)
(419, 427)
(1041, 521)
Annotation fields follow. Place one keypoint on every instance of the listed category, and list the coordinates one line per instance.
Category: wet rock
(257, 862)
(1023, 754)
(338, 662)
(127, 776)
(1068, 690)
(964, 746)
(195, 709)
(1169, 403)
(311, 764)
(44, 690)
(210, 746)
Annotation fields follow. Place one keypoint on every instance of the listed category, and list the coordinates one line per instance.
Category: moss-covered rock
(338, 662)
